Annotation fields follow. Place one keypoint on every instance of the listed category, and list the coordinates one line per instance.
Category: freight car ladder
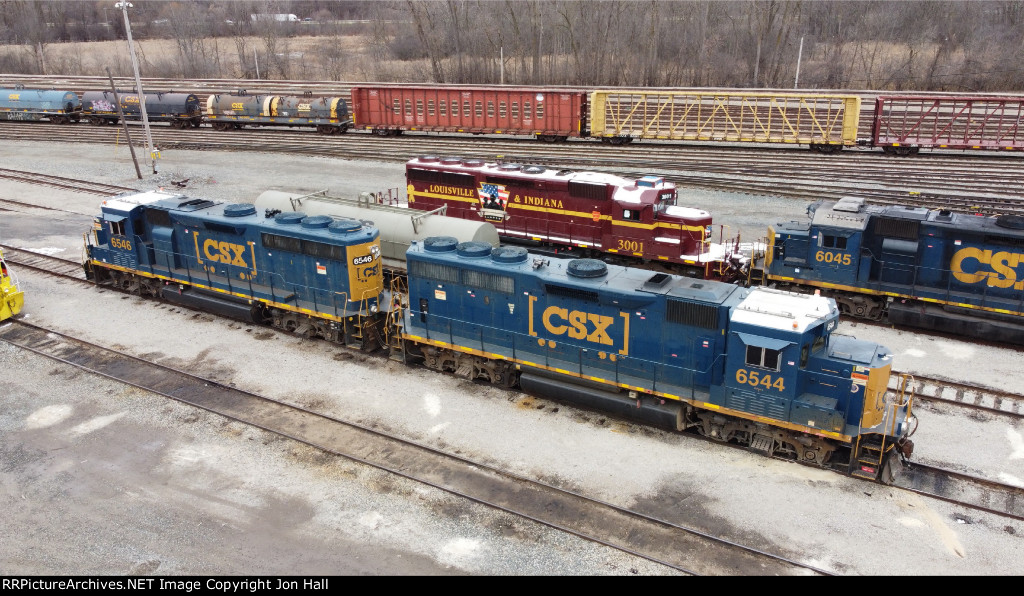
(869, 458)
(393, 323)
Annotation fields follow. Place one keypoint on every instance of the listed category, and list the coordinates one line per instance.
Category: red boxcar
(550, 115)
(904, 124)
(588, 212)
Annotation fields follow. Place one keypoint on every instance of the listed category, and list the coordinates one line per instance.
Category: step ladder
(762, 444)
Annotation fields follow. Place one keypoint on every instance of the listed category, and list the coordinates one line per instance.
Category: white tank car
(398, 226)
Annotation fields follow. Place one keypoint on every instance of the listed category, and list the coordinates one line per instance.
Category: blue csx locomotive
(317, 276)
(935, 269)
(758, 367)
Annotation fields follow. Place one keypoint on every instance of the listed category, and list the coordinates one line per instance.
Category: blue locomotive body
(317, 275)
(59, 107)
(954, 272)
(756, 366)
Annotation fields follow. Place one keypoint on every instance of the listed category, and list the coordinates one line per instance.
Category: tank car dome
(316, 221)
(587, 268)
(239, 210)
(293, 217)
(509, 254)
(343, 225)
(474, 249)
(440, 243)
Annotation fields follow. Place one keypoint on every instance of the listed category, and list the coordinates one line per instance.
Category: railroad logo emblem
(603, 330)
(493, 200)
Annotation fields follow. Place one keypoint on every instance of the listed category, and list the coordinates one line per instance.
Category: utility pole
(799, 55)
(124, 123)
(124, 6)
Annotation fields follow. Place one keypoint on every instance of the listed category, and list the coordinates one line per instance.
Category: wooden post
(124, 122)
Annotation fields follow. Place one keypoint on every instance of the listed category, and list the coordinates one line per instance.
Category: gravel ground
(141, 481)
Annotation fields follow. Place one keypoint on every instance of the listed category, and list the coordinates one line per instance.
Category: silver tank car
(398, 226)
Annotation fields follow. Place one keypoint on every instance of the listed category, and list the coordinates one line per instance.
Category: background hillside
(872, 44)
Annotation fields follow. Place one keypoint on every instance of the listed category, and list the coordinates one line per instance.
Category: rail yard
(804, 520)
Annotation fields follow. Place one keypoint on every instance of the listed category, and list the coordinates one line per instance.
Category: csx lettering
(221, 252)
(14, 96)
(577, 324)
(237, 106)
(367, 272)
(1002, 263)
(122, 243)
(823, 256)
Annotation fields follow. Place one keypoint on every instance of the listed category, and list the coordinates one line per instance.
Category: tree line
(942, 45)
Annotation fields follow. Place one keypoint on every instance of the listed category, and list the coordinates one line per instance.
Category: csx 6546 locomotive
(317, 276)
(959, 273)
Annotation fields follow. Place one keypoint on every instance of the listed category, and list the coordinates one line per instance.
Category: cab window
(763, 357)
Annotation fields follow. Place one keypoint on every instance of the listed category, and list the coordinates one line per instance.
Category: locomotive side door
(630, 230)
(836, 254)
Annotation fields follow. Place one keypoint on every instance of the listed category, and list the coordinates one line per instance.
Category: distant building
(283, 18)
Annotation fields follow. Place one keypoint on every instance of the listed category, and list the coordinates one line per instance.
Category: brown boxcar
(587, 213)
(904, 124)
(551, 115)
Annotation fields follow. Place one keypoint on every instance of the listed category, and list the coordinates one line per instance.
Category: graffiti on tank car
(603, 330)
(973, 265)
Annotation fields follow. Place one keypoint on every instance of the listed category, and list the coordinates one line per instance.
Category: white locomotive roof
(131, 201)
(785, 311)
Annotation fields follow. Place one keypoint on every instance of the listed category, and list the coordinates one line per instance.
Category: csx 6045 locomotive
(954, 272)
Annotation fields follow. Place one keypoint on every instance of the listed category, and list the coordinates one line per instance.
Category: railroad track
(663, 541)
(963, 395)
(86, 186)
(947, 484)
(981, 184)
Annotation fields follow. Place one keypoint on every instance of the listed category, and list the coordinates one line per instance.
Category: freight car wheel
(95, 120)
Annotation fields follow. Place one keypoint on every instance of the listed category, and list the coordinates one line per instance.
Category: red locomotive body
(587, 212)
(551, 115)
(904, 124)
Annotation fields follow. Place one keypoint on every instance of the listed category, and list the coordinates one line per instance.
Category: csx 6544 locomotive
(758, 367)
(959, 273)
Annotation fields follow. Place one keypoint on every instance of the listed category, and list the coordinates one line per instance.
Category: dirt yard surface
(96, 477)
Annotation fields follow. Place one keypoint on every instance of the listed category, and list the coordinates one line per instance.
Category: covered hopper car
(58, 107)
(329, 115)
(181, 110)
